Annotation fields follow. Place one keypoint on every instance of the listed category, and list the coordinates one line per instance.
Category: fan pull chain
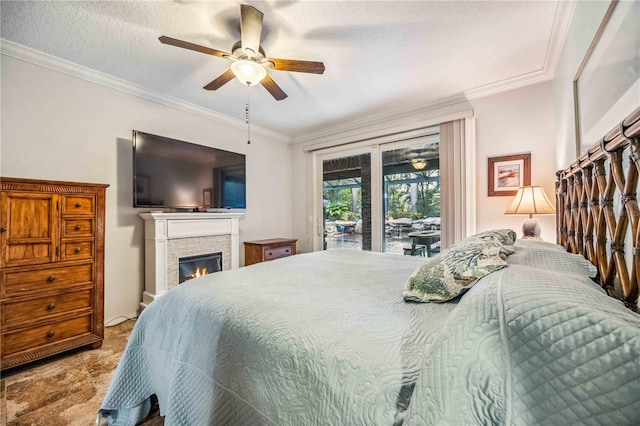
(246, 117)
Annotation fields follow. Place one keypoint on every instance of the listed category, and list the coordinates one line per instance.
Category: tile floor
(66, 389)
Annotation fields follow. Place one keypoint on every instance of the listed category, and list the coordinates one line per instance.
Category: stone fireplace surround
(169, 236)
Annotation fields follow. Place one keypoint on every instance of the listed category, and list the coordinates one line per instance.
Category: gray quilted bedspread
(314, 339)
(528, 347)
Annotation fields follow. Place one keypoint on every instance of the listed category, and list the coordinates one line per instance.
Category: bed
(336, 337)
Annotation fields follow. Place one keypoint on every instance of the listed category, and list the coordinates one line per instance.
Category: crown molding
(508, 84)
(36, 57)
(381, 120)
(559, 30)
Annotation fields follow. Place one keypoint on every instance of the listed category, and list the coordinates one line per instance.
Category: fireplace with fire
(194, 266)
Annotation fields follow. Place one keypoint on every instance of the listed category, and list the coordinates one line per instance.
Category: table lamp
(531, 200)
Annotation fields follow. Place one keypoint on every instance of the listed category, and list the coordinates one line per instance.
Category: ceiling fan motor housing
(239, 53)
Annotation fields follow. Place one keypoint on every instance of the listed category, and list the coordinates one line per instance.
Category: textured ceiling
(379, 56)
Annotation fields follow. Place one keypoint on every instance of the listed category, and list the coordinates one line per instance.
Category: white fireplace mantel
(160, 228)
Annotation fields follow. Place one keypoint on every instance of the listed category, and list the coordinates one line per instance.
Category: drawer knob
(77, 228)
(51, 334)
(77, 250)
(50, 307)
(3, 230)
(286, 251)
(270, 253)
(78, 205)
(51, 278)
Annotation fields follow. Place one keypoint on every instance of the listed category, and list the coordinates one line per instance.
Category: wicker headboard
(597, 209)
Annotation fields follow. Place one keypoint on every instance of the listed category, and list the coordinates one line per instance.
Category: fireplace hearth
(194, 266)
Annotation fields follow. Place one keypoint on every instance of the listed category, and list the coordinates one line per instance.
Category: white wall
(302, 221)
(515, 122)
(587, 17)
(59, 127)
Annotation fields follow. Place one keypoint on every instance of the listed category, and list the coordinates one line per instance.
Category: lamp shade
(248, 72)
(531, 200)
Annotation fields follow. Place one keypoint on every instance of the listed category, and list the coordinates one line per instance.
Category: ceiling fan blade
(191, 46)
(297, 66)
(271, 86)
(223, 79)
(250, 29)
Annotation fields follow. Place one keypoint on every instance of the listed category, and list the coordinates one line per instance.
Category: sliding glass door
(383, 197)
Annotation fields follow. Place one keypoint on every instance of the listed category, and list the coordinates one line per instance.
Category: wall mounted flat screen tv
(169, 173)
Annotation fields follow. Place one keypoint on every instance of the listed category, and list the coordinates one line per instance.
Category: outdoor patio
(348, 235)
(393, 244)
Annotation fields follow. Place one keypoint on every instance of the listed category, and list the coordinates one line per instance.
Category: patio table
(423, 237)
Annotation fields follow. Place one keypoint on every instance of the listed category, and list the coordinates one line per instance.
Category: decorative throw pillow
(455, 270)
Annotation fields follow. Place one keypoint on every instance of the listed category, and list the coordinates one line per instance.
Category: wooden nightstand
(270, 249)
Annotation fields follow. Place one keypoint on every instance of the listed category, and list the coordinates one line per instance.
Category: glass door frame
(377, 186)
(317, 194)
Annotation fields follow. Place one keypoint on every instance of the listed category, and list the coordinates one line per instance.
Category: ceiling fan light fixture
(419, 163)
(248, 72)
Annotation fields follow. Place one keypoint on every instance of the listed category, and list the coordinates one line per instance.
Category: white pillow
(550, 259)
(538, 244)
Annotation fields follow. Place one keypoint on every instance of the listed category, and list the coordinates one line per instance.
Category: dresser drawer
(268, 249)
(41, 308)
(78, 205)
(277, 252)
(39, 280)
(77, 250)
(45, 334)
(77, 228)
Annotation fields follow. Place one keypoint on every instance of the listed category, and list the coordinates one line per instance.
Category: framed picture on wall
(607, 83)
(508, 173)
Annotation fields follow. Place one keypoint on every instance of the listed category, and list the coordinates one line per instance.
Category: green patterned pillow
(455, 270)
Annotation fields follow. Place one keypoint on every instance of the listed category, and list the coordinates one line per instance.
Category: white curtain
(457, 183)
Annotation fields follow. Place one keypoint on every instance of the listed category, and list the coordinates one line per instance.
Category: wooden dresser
(264, 250)
(52, 268)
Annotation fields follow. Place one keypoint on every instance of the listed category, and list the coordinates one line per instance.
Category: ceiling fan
(249, 62)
